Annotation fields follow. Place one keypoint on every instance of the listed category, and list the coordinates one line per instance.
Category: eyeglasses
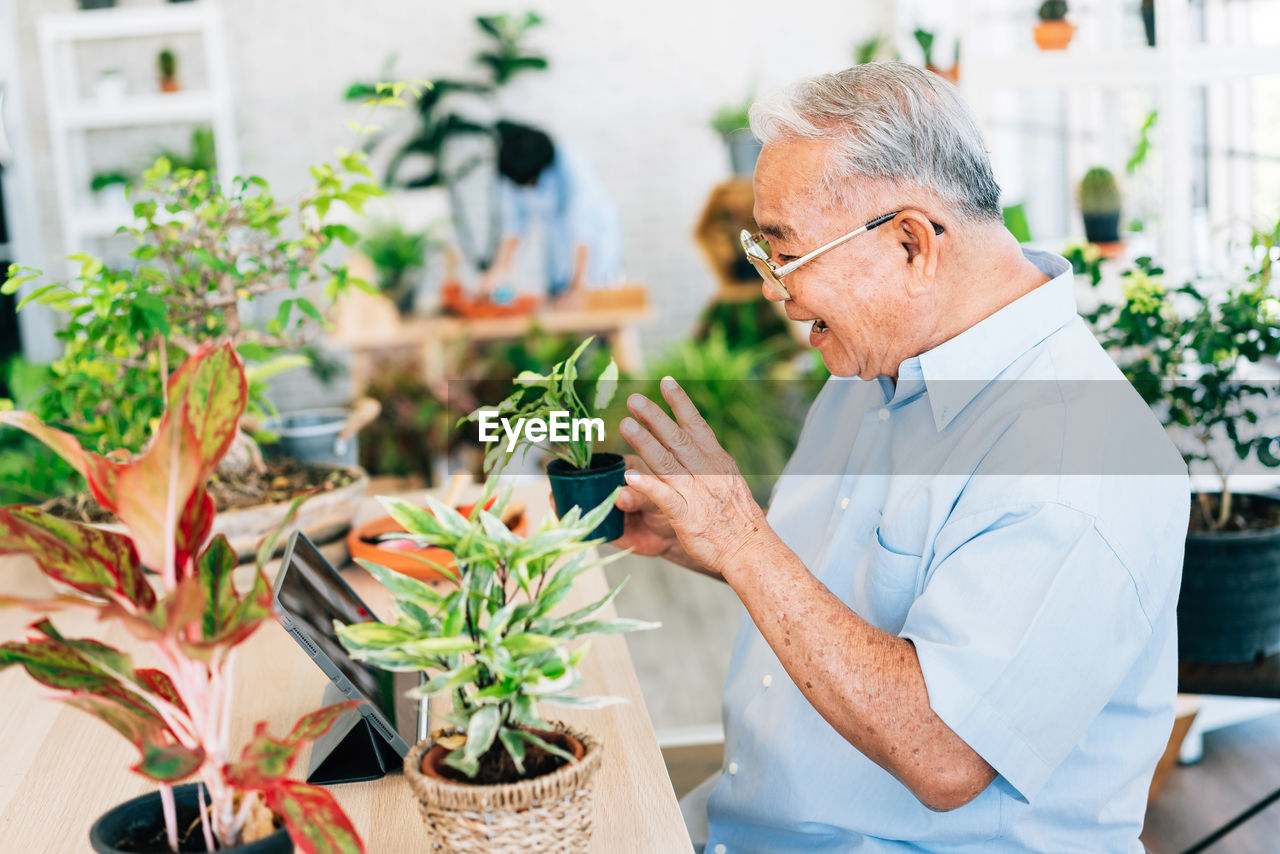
(756, 247)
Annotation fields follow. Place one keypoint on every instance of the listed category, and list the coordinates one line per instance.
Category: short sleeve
(1027, 625)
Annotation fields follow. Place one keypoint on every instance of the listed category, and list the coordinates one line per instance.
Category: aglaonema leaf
(214, 567)
(168, 763)
(210, 392)
(317, 825)
(99, 471)
(195, 522)
(266, 758)
(77, 667)
(207, 395)
(99, 563)
(159, 683)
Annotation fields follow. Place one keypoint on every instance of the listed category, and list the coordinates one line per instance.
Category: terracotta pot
(127, 827)
(952, 73)
(548, 813)
(409, 560)
(456, 301)
(169, 84)
(1054, 35)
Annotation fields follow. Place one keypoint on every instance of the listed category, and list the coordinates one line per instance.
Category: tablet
(309, 595)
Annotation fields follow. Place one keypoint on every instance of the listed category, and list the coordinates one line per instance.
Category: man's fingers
(655, 455)
(666, 431)
(686, 413)
(634, 462)
(630, 501)
(651, 487)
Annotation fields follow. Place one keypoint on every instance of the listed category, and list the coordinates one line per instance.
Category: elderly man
(959, 625)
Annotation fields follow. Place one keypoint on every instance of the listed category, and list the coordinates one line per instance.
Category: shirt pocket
(889, 585)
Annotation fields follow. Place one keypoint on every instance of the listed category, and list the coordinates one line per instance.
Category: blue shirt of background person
(551, 187)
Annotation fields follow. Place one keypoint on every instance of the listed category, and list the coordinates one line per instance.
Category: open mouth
(819, 325)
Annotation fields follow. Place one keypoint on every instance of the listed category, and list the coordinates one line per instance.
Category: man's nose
(771, 293)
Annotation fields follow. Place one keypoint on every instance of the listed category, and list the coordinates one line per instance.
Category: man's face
(856, 294)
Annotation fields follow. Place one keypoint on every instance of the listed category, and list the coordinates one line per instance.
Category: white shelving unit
(1172, 71)
(74, 114)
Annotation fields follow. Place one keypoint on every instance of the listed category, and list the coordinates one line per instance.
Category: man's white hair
(891, 122)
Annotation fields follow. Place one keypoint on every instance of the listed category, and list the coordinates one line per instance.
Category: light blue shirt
(573, 208)
(1014, 509)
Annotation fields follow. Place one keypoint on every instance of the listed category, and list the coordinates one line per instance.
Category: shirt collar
(958, 369)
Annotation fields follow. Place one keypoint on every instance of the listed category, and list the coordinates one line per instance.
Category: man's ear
(916, 235)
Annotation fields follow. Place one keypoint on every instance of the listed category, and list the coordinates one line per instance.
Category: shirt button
(720, 849)
(884, 414)
(767, 680)
(844, 503)
(733, 768)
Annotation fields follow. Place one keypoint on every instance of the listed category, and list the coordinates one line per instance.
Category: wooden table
(369, 327)
(62, 769)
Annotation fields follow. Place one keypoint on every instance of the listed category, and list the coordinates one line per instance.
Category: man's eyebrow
(779, 232)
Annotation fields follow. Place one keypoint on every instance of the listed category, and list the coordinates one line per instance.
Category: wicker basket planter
(548, 813)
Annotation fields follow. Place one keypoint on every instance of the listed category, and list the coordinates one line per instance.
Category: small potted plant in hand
(504, 779)
(547, 411)
(176, 714)
(1054, 32)
(1100, 205)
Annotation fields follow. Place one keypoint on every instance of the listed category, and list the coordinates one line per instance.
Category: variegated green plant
(537, 396)
(493, 641)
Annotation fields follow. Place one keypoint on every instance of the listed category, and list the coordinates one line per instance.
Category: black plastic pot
(136, 826)
(586, 488)
(1102, 227)
(1229, 609)
(1149, 21)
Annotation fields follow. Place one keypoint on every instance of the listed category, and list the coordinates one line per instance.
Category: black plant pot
(1229, 609)
(587, 488)
(97, 4)
(1102, 227)
(137, 827)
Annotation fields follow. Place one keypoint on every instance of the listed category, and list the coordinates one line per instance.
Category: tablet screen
(313, 595)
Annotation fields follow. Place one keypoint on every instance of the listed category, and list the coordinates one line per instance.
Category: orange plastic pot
(1054, 35)
(366, 542)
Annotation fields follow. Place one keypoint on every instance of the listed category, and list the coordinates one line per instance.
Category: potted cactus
(1100, 202)
(1054, 32)
(177, 714)
(531, 417)
(503, 779)
(167, 64)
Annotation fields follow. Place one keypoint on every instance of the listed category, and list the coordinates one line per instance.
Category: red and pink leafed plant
(179, 714)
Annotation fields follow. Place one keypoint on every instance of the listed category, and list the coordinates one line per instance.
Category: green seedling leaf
(606, 385)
